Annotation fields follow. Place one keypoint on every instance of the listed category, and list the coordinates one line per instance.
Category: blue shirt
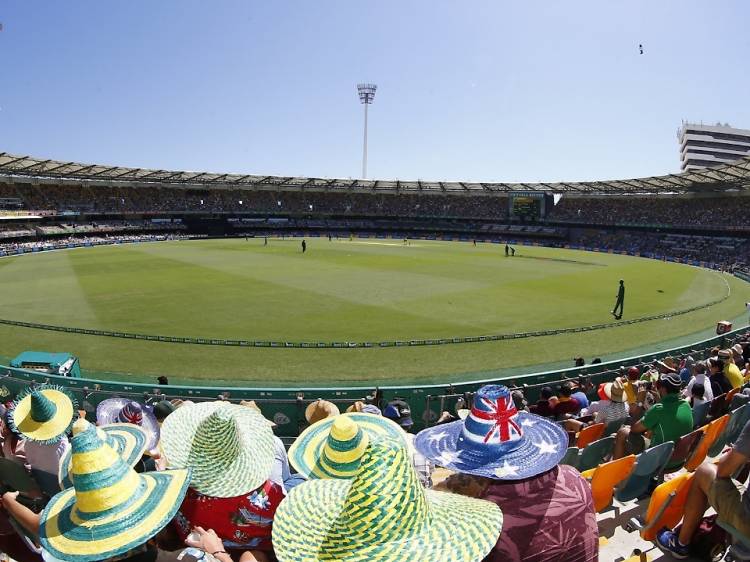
(582, 398)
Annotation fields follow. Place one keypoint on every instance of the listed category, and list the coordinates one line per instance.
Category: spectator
(731, 371)
(127, 440)
(360, 406)
(667, 420)
(697, 395)
(162, 409)
(383, 513)
(13, 444)
(613, 407)
(719, 382)
(631, 385)
(230, 452)
(686, 369)
(319, 410)
(542, 407)
(713, 486)
(519, 400)
(566, 406)
(122, 410)
(42, 417)
(511, 458)
(333, 448)
(699, 377)
(579, 394)
(124, 510)
(162, 380)
(399, 411)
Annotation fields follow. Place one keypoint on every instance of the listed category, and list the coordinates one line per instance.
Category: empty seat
(711, 433)
(593, 455)
(589, 434)
(683, 448)
(571, 457)
(648, 465)
(605, 478)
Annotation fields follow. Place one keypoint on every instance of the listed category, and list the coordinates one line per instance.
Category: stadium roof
(734, 176)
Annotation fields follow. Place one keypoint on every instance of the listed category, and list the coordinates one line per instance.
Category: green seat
(737, 420)
(571, 457)
(594, 453)
(614, 426)
(648, 465)
(738, 400)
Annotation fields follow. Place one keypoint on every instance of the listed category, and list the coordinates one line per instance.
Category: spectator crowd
(183, 480)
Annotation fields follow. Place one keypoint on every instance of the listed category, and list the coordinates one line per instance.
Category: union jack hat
(123, 410)
(495, 440)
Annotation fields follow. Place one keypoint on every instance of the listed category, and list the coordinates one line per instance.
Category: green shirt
(669, 419)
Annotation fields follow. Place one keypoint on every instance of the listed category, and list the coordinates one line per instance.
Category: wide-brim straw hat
(111, 509)
(319, 410)
(229, 448)
(43, 414)
(495, 440)
(124, 410)
(128, 441)
(333, 447)
(615, 391)
(383, 513)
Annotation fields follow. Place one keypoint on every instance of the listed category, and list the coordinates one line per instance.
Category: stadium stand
(111, 471)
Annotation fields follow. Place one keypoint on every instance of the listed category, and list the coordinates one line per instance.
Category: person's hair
(163, 380)
(566, 389)
(596, 360)
(546, 392)
(698, 390)
(579, 361)
(715, 362)
(700, 367)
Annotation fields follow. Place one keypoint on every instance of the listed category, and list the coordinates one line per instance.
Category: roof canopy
(728, 177)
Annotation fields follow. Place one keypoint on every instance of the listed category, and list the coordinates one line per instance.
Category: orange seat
(731, 394)
(666, 506)
(605, 477)
(711, 433)
(589, 434)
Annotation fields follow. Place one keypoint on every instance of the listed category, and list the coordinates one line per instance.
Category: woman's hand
(206, 540)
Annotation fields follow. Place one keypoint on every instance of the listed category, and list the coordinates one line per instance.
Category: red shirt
(241, 522)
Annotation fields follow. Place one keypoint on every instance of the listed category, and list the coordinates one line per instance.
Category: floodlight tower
(366, 97)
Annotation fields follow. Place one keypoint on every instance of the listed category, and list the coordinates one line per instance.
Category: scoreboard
(529, 206)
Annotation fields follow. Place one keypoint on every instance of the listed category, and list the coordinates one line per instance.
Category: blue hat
(495, 440)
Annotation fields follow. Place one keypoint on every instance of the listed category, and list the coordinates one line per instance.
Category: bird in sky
(640, 48)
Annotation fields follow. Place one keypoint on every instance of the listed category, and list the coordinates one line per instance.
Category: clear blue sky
(476, 90)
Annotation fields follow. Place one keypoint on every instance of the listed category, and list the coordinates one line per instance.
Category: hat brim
(127, 439)
(304, 528)
(51, 430)
(542, 446)
(306, 452)
(108, 410)
(212, 475)
(68, 537)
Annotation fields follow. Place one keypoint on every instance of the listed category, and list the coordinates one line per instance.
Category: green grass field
(365, 290)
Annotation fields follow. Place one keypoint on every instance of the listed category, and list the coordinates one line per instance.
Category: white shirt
(702, 378)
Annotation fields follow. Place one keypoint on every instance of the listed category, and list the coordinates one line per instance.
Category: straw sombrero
(230, 448)
(43, 414)
(319, 410)
(333, 447)
(123, 410)
(128, 440)
(383, 513)
(495, 440)
(111, 509)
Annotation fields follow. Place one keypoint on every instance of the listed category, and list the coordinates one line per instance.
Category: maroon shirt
(546, 518)
(542, 408)
(571, 406)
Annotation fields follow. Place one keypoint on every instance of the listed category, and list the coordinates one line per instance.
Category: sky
(475, 90)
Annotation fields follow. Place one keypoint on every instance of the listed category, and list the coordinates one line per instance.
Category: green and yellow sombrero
(43, 414)
(229, 448)
(383, 513)
(127, 439)
(111, 509)
(333, 447)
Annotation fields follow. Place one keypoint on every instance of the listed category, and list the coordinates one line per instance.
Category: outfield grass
(366, 290)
